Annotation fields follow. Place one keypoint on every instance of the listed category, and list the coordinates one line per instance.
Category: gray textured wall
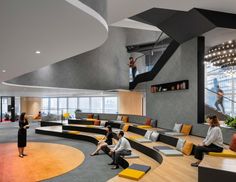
(179, 106)
(99, 6)
(104, 68)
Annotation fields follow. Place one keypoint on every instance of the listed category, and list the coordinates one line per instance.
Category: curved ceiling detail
(57, 29)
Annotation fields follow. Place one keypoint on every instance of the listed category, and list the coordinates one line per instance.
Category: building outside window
(45, 106)
(62, 104)
(96, 104)
(84, 104)
(93, 104)
(110, 105)
(53, 106)
(72, 105)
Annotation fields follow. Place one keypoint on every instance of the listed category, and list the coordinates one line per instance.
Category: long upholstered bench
(179, 166)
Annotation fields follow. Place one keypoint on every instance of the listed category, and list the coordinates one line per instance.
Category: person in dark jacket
(22, 134)
(104, 143)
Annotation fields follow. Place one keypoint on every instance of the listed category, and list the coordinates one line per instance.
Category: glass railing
(225, 106)
(147, 57)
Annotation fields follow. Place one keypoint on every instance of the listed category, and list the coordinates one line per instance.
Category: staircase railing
(228, 103)
(159, 59)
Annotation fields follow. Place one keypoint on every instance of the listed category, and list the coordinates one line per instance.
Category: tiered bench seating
(163, 168)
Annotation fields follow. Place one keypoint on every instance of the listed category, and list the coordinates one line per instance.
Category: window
(110, 105)
(62, 105)
(96, 104)
(45, 105)
(53, 106)
(72, 105)
(84, 104)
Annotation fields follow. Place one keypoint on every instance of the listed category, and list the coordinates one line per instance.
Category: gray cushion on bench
(171, 152)
(140, 167)
(174, 133)
(162, 148)
(133, 155)
(143, 140)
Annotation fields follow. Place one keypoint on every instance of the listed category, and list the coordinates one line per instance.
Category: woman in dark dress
(24, 125)
(104, 143)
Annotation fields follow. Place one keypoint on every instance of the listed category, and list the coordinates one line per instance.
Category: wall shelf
(172, 86)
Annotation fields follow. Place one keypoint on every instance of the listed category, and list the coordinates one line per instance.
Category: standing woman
(104, 143)
(24, 125)
(213, 141)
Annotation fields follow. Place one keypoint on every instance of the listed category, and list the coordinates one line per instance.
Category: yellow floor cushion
(100, 137)
(144, 126)
(91, 126)
(134, 137)
(73, 132)
(91, 119)
(131, 174)
(125, 128)
(186, 129)
(225, 153)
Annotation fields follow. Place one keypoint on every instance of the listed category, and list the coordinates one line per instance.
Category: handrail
(223, 96)
(150, 75)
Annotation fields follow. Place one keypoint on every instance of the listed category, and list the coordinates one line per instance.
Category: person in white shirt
(213, 141)
(122, 148)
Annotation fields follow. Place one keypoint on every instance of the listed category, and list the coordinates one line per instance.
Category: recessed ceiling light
(37, 52)
(3, 71)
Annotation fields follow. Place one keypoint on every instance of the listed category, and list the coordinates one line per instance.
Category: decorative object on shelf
(178, 85)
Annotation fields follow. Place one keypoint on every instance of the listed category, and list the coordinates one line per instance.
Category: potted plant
(231, 122)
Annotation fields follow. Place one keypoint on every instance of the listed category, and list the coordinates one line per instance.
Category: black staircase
(148, 76)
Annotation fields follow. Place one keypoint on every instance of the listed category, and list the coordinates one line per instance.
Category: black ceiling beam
(183, 26)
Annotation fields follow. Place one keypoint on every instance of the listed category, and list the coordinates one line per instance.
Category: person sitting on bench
(122, 148)
(104, 143)
(213, 141)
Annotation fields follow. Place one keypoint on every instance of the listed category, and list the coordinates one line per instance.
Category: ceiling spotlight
(214, 54)
(37, 52)
(230, 41)
(224, 52)
(4, 71)
(230, 50)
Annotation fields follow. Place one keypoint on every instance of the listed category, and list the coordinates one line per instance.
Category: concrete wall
(179, 106)
(104, 68)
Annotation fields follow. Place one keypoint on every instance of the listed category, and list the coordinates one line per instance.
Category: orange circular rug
(44, 161)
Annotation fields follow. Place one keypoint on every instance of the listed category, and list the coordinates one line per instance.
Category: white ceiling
(120, 9)
(58, 28)
(128, 23)
(34, 91)
(218, 36)
(64, 28)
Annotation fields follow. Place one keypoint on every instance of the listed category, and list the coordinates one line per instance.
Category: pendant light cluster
(222, 55)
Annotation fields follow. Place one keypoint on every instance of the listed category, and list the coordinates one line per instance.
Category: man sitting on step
(122, 148)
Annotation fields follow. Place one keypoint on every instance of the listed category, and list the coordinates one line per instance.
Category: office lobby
(117, 91)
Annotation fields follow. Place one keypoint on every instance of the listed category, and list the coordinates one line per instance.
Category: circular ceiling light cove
(222, 55)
